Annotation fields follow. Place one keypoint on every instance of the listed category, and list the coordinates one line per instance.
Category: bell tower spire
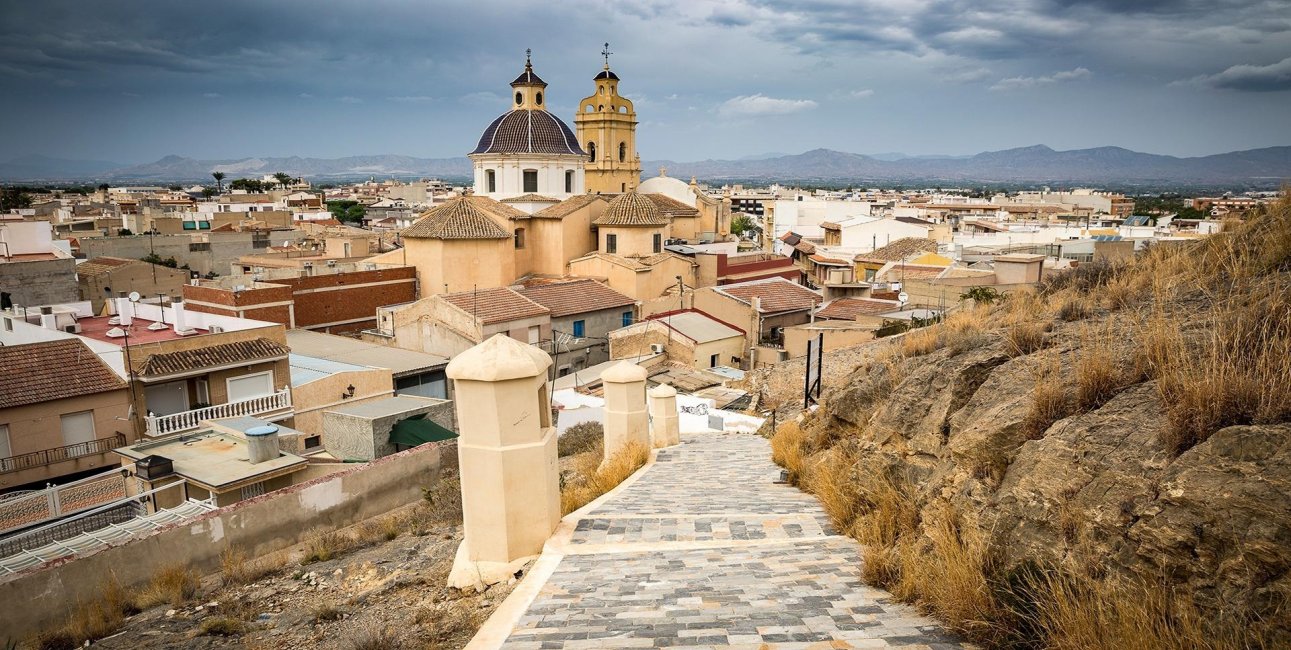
(606, 125)
(528, 87)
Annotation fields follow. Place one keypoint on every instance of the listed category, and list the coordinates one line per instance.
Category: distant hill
(1037, 164)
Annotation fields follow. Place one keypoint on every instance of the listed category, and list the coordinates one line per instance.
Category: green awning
(416, 431)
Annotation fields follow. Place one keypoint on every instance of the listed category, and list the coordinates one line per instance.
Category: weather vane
(606, 53)
(527, 53)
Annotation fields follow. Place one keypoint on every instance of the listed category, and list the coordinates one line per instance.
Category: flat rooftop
(362, 353)
(397, 405)
(217, 461)
(97, 328)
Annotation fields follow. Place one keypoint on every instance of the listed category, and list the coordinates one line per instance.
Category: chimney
(757, 304)
(47, 318)
(124, 311)
(262, 443)
(177, 309)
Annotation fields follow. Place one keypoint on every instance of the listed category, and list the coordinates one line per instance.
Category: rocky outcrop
(1096, 490)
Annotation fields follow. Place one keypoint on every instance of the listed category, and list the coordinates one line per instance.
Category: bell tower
(606, 126)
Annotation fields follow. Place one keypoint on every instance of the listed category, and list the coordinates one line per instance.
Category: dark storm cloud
(1274, 77)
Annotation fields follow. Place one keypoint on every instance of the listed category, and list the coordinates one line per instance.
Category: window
(252, 491)
(537, 99)
(249, 386)
(203, 391)
(602, 88)
(623, 151)
(544, 407)
(658, 242)
(8, 324)
(530, 180)
(6, 450)
(313, 442)
(78, 427)
(260, 243)
(580, 329)
(519, 98)
(591, 151)
(519, 238)
(712, 361)
(569, 182)
(490, 181)
(611, 244)
(627, 318)
(535, 335)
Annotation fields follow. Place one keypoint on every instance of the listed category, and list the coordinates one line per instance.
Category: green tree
(124, 232)
(153, 258)
(742, 223)
(208, 192)
(219, 181)
(282, 178)
(347, 211)
(14, 198)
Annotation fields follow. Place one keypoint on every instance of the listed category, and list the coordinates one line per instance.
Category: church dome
(632, 209)
(528, 131)
(673, 188)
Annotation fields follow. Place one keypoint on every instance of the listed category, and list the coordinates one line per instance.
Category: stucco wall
(353, 437)
(37, 427)
(43, 282)
(224, 247)
(148, 279)
(310, 400)
(43, 597)
(455, 265)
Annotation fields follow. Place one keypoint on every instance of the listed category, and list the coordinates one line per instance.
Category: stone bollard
(507, 455)
(626, 420)
(665, 427)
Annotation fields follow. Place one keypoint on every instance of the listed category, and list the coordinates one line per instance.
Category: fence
(160, 425)
(57, 454)
(62, 500)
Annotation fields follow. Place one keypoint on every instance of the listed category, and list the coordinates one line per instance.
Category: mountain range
(1269, 167)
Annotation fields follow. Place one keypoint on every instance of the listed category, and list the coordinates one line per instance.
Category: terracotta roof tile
(101, 265)
(632, 209)
(495, 305)
(899, 250)
(568, 206)
(777, 294)
(577, 297)
(530, 198)
(672, 207)
(850, 308)
(528, 131)
(253, 351)
(43, 372)
(465, 217)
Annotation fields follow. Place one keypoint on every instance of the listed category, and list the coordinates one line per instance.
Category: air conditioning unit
(656, 348)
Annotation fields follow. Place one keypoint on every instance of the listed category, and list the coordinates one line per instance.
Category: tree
(283, 178)
(219, 182)
(208, 192)
(103, 187)
(124, 232)
(14, 198)
(742, 223)
(153, 258)
(346, 210)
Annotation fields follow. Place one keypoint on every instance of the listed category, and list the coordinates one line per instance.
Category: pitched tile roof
(464, 217)
(850, 308)
(530, 198)
(672, 207)
(632, 209)
(567, 207)
(495, 305)
(252, 351)
(829, 261)
(791, 238)
(901, 272)
(103, 265)
(899, 250)
(777, 294)
(577, 297)
(43, 372)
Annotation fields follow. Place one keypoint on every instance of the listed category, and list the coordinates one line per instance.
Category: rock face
(1096, 489)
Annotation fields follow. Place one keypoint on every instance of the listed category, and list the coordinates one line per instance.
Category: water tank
(262, 443)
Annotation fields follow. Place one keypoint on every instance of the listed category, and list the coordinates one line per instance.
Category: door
(249, 386)
(165, 399)
(78, 427)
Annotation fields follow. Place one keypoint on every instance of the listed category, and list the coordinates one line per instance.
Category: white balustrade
(160, 425)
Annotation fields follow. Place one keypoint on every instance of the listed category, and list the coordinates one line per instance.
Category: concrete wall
(42, 598)
(40, 282)
(148, 279)
(836, 336)
(204, 253)
(310, 400)
(353, 437)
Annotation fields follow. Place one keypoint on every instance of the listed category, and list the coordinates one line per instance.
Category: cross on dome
(606, 53)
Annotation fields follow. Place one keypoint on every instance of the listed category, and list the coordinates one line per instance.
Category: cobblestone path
(704, 550)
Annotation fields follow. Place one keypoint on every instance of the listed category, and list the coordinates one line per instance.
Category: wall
(353, 437)
(592, 349)
(634, 240)
(148, 279)
(39, 282)
(449, 266)
(726, 349)
(795, 338)
(43, 597)
(271, 302)
(37, 427)
(635, 341)
(204, 253)
(310, 400)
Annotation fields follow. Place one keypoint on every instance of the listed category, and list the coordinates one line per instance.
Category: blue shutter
(578, 329)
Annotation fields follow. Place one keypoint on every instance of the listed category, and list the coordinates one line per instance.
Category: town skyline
(721, 80)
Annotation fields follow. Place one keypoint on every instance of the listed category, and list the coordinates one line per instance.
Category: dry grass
(1025, 337)
(1098, 377)
(580, 438)
(787, 449)
(1049, 402)
(445, 625)
(322, 547)
(326, 612)
(173, 585)
(593, 478)
(1074, 309)
(237, 568)
(919, 342)
(964, 330)
(95, 619)
(829, 476)
(222, 626)
(950, 575)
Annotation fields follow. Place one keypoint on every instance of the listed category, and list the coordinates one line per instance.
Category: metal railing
(160, 425)
(59, 454)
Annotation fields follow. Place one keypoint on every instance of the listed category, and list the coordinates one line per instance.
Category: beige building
(103, 278)
(689, 337)
(606, 125)
(62, 411)
(319, 385)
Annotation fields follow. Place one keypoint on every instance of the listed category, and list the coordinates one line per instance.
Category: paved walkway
(704, 550)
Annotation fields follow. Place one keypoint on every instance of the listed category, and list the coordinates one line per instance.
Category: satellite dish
(903, 297)
(134, 296)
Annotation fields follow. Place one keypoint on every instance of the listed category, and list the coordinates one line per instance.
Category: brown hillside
(1102, 463)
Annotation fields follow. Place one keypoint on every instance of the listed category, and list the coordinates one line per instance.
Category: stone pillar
(626, 420)
(507, 455)
(665, 427)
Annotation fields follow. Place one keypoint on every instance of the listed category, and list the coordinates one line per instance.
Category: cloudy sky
(131, 81)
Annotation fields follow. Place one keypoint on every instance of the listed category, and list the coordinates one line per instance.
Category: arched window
(519, 98)
(537, 99)
(590, 108)
(602, 90)
(623, 151)
(591, 151)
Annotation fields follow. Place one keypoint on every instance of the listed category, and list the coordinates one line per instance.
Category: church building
(606, 125)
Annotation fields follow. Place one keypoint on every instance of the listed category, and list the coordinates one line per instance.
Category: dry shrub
(1122, 291)
(374, 639)
(1025, 337)
(221, 626)
(830, 478)
(591, 479)
(173, 585)
(1074, 309)
(787, 449)
(1048, 403)
(95, 619)
(447, 625)
(580, 438)
(965, 330)
(326, 612)
(920, 342)
(950, 573)
(444, 501)
(1098, 379)
(324, 546)
(237, 568)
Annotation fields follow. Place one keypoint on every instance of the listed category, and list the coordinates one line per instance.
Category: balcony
(58, 454)
(161, 425)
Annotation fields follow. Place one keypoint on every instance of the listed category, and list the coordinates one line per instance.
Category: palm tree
(219, 180)
(282, 178)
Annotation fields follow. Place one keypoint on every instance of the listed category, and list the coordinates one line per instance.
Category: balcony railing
(57, 454)
(160, 425)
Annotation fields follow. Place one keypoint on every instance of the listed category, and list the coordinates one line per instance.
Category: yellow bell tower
(606, 125)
